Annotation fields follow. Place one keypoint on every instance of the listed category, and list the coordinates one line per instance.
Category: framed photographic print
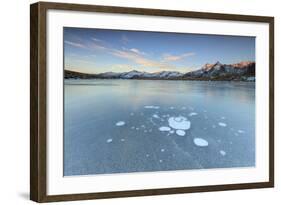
(134, 102)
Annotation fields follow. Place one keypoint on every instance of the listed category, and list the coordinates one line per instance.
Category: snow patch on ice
(120, 123)
(180, 132)
(179, 123)
(164, 129)
(200, 142)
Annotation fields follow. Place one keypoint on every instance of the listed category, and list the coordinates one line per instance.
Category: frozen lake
(121, 126)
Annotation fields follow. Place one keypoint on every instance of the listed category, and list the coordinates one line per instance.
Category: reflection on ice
(151, 107)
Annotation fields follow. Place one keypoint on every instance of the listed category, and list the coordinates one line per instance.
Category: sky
(91, 50)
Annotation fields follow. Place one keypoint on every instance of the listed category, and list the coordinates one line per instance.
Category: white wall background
(14, 109)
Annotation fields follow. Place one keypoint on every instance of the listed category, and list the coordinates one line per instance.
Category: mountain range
(243, 71)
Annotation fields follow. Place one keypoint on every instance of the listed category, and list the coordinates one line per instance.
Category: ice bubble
(109, 140)
(192, 114)
(162, 150)
(223, 153)
(179, 123)
(241, 131)
(137, 128)
(222, 118)
(143, 126)
(122, 140)
(147, 155)
(160, 160)
(183, 108)
(163, 129)
(151, 107)
(214, 126)
(131, 113)
(222, 124)
(172, 132)
(180, 132)
(172, 108)
(200, 142)
(155, 116)
(120, 123)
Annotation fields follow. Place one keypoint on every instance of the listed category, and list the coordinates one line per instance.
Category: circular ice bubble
(222, 152)
(200, 142)
(120, 123)
(241, 131)
(163, 129)
(109, 140)
(222, 124)
(180, 132)
(192, 114)
(179, 123)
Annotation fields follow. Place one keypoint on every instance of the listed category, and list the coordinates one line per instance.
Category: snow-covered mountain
(216, 71)
(219, 71)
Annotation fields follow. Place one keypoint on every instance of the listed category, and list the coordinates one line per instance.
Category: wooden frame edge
(38, 166)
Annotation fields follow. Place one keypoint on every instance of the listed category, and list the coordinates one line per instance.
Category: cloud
(78, 45)
(169, 58)
(138, 58)
(134, 55)
(125, 39)
(97, 40)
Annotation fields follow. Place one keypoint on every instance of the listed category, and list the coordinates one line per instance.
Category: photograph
(146, 101)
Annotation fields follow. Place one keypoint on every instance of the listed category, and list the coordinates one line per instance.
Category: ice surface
(109, 140)
(151, 107)
(163, 129)
(200, 142)
(192, 114)
(222, 124)
(179, 123)
(120, 123)
(180, 132)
